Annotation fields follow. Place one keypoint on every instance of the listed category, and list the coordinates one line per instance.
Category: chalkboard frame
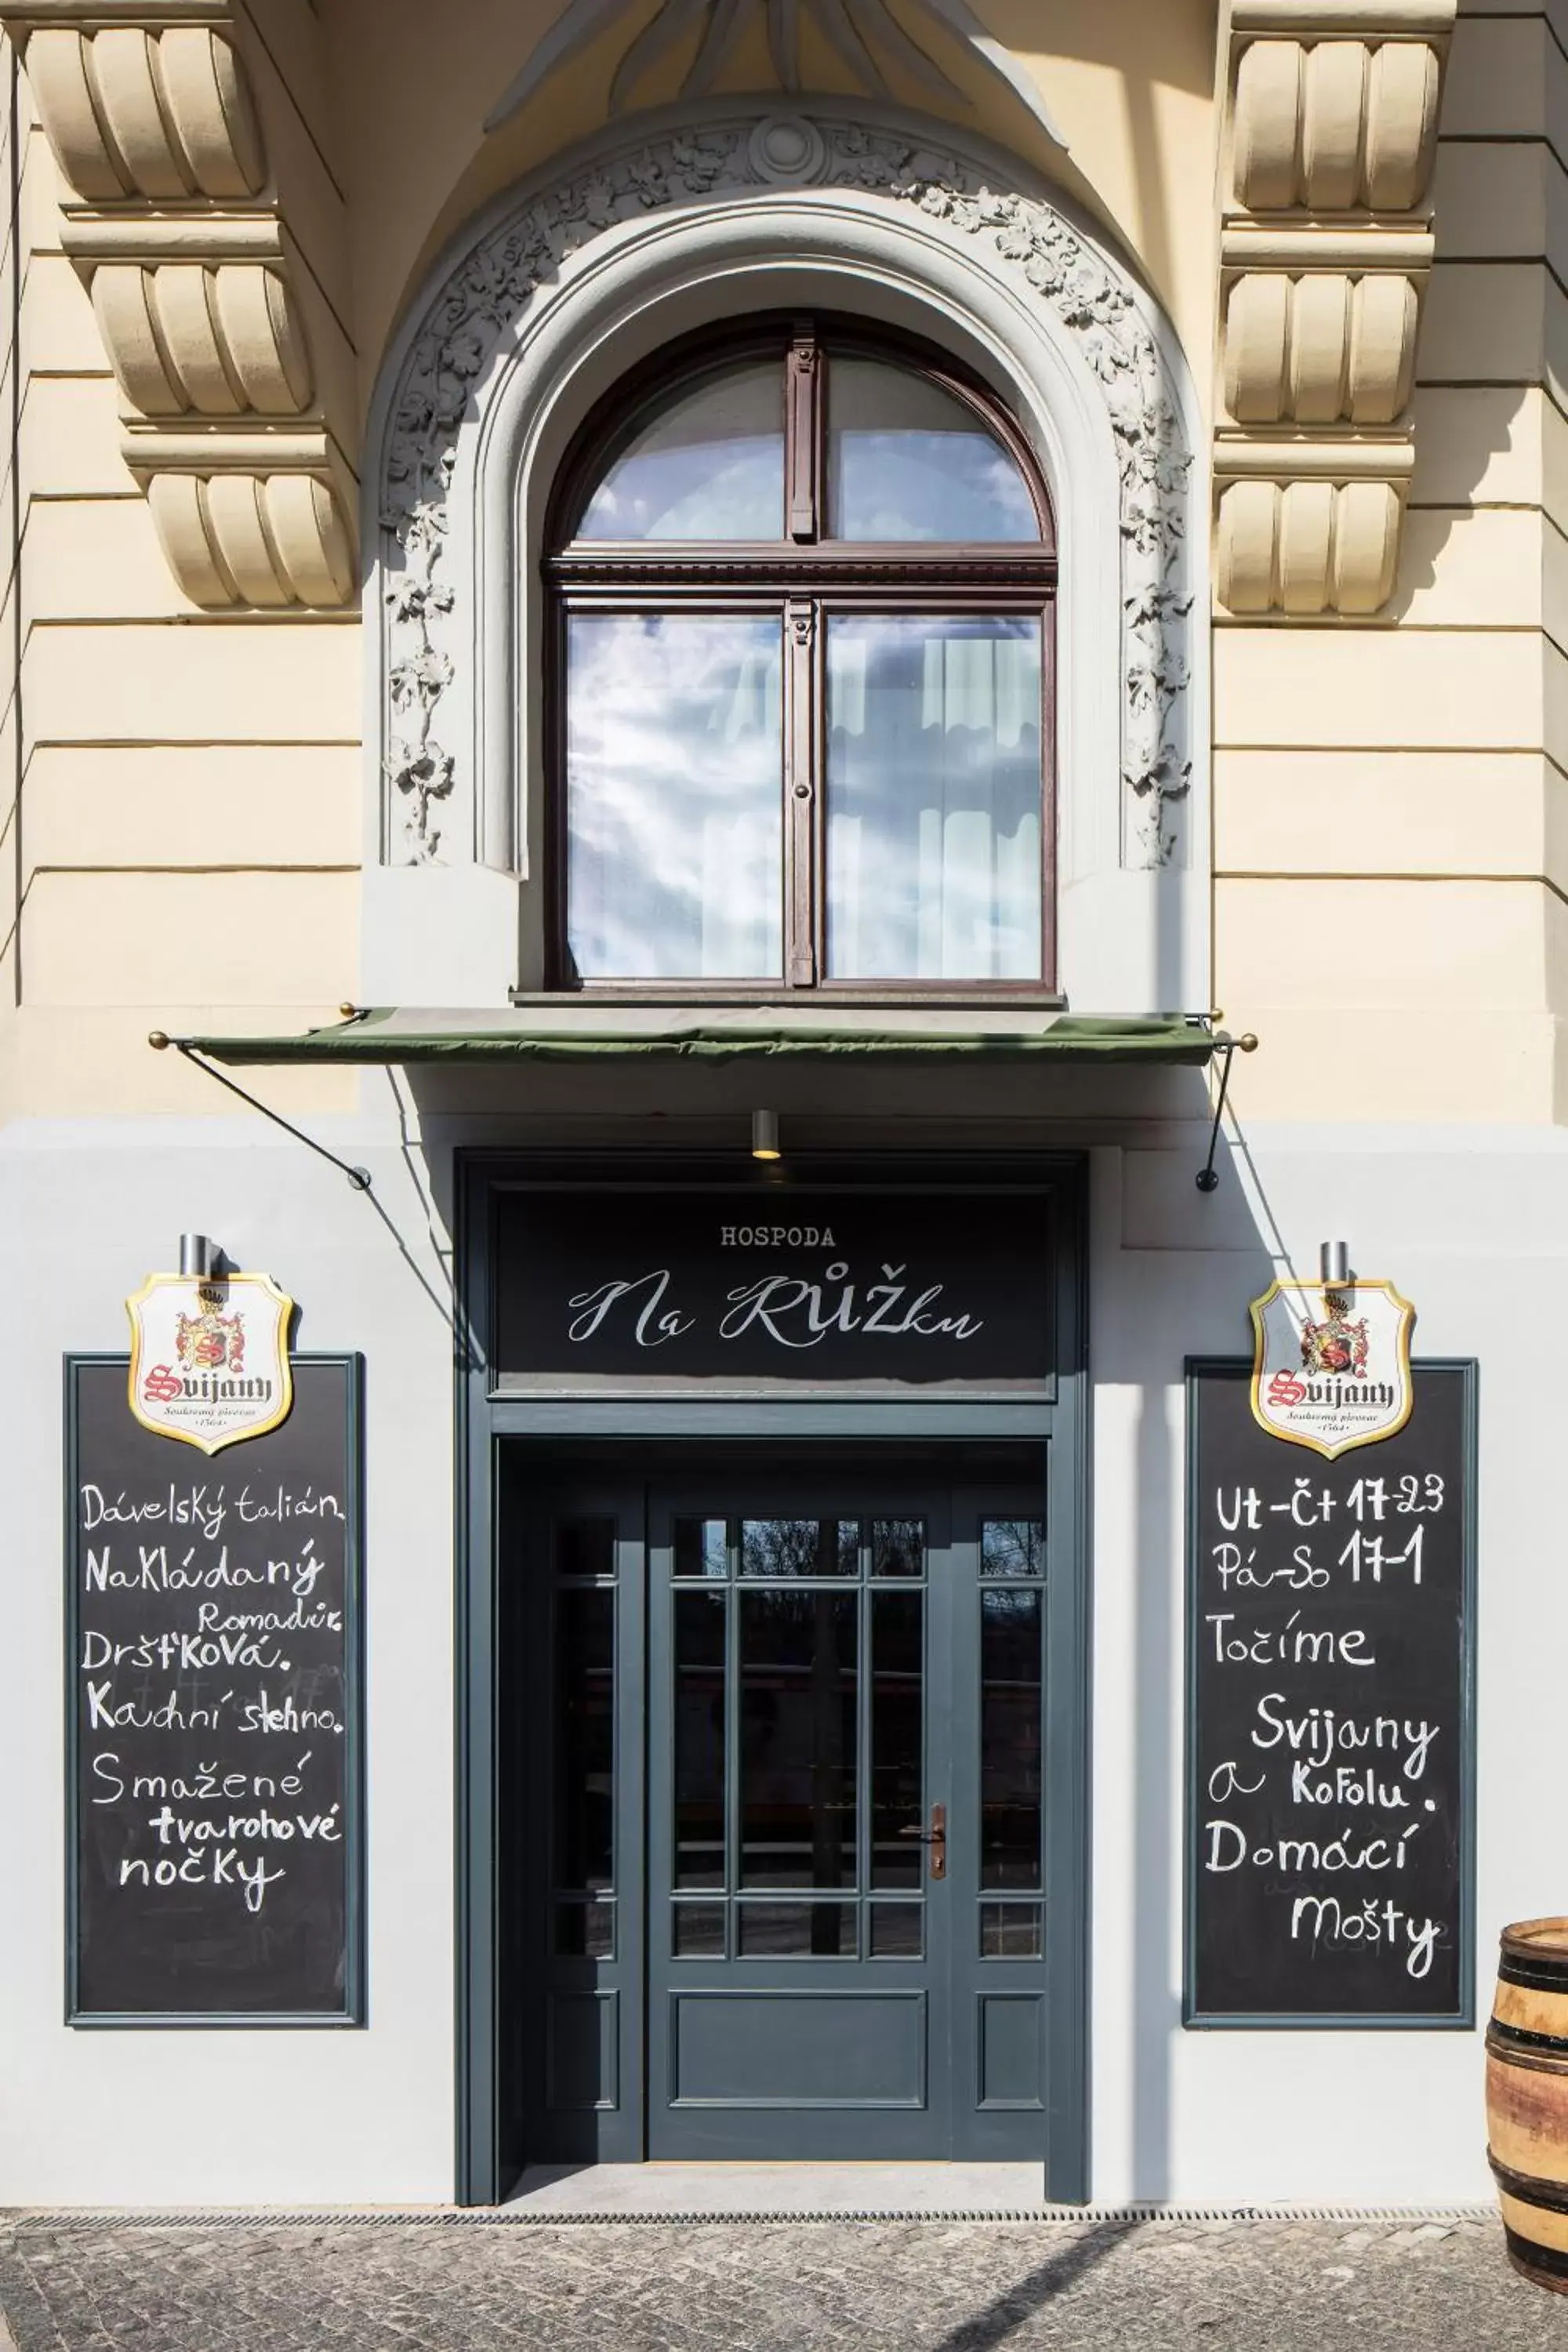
(1462, 2020)
(354, 2012)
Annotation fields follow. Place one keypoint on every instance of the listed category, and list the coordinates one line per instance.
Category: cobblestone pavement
(886, 2286)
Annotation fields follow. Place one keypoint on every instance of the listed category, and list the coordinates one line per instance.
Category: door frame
(489, 2160)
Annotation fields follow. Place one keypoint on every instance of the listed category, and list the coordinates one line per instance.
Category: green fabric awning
(393, 1035)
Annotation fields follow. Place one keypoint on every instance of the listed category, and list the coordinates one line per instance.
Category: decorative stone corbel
(1326, 247)
(176, 226)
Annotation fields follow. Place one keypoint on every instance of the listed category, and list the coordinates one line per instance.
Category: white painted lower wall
(1469, 1224)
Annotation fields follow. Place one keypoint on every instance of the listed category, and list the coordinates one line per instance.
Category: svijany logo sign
(209, 1357)
(1330, 1365)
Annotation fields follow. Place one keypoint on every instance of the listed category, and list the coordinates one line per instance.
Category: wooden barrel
(1527, 2097)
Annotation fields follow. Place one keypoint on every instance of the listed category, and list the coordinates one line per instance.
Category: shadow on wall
(1466, 312)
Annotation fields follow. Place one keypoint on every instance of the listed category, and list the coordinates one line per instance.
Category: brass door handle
(935, 1838)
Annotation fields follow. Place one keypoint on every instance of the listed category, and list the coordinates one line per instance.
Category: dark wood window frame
(805, 579)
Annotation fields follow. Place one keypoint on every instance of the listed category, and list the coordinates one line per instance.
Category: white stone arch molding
(638, 238)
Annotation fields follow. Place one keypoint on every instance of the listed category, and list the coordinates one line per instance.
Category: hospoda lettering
(776, 1237)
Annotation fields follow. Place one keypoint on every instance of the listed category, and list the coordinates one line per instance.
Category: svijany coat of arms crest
(209, 1357)
(1331, 1366)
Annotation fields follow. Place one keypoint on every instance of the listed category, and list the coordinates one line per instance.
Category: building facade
(579, 574)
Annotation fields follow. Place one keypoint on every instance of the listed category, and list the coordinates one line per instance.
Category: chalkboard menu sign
(769, 1290)
(214, 1709)
(1330, 1741)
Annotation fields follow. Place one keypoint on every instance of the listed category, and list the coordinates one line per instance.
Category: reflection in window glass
(797, 1931)
(1012, 1931)
(584, 1736)
(1013, 1548)
(797, 1693)
(799, 1546)
(699, 1739)
(1010, 1694)
(898, 1547)
(585, 1931)
(697, 1931)
(674, 752)
(702, 1548)
(898, 1738)
(897, 1931)
(934, 797)
(908, 460)
(706, 464)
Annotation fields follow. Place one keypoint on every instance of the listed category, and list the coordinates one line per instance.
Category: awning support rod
(159, 1042)
(1207, 1178)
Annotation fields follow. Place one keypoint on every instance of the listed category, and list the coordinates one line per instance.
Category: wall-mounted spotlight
(199, 1256)
(765, 1135)
(1333, 1264)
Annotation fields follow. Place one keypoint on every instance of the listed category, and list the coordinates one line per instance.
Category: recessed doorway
(780, 1807)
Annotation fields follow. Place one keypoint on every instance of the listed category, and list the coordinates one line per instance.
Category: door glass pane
(797, 1931)
(585, 1931)
(584, 1736)
(908, 460)
(699, 1739)
(934, 797)
(797, 1668)
(674, 751)
(697, 1931)
(1013, 1548)
(898, 1930)
(1010, 1694)
(702, 1548)
(898, 1725)
(585, 1548)
(799, 1546)
(898, 1547)
(706, 463)
(1012, 1931)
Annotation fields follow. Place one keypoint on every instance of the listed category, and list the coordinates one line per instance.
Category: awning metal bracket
(1207, 1178)
(360, 1177)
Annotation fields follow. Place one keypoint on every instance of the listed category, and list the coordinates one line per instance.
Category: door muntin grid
(798, 1784)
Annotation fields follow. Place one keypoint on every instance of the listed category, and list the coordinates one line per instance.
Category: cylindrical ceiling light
(765, 1135)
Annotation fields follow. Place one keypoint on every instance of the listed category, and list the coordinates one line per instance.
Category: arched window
(802, 677)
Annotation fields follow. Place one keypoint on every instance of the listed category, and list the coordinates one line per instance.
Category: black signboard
(891, 1291)
(213, 1698)
(1330, 1740)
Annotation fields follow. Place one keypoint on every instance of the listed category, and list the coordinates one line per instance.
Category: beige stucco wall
(1389, 841)
(1389, 799)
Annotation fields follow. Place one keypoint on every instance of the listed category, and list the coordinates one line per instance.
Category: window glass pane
(800, 1547)
(584, 1735)
(1012, 1547)
(674, 750)
(934, 797)
(908, 460)
(706, 463)
(797, 1931)
(898, 1723)
(1010, 1661)
(797, 1737)
(699, 1739)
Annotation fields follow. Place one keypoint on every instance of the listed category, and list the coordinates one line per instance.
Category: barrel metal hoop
(1535, 1976)
(1552, 2195)
(1529, 2256)
(1503, 2038)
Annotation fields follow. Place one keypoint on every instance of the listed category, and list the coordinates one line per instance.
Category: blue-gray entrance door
(793, 1894)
